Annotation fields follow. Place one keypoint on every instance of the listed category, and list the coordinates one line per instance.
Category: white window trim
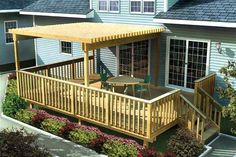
(118, 57)
(149, 13)
(103, 10)
(112, 10)
(141, 4)
(60, 48)
(8, 32)
(108, 7)
(168, 55)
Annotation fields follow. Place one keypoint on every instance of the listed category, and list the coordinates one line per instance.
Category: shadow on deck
(155, 91)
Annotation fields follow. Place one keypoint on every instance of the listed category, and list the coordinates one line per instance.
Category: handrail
(105, 91)
(52, 65)
(191, 105)
(205, 77)
(164, 95)
(80, 85)
(208, 95)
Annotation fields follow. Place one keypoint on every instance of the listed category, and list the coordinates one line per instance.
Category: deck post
(86, 68)
(17, 62)
(93, 61)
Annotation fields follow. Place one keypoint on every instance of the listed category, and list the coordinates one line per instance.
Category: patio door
(187, 62)
(133, 59)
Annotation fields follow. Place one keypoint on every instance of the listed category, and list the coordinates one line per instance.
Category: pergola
(92, 36)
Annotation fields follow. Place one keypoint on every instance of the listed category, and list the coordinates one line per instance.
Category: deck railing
(192, 117)
(143, 119)
(65, 70)
(204, 101)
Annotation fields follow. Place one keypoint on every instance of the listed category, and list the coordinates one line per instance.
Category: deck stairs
(209, 129)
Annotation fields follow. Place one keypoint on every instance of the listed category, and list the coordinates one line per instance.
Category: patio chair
(144, 86)
(104, 84)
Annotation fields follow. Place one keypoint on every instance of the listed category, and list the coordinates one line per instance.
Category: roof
(201, 10)
(14, 4)
(91, 33)
(81, 7)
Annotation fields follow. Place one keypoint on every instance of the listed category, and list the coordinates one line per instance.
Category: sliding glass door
(187, 62)
(133, 59)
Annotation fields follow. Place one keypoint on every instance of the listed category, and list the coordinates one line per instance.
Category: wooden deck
(52, 86)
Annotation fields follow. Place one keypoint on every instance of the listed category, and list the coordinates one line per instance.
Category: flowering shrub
(53, 126)
(82, 136)
(86, 135)
(185, 144)
(25, 116)
(98, 143)
(114, 148)
(19, 143)
(12, 76)
(149, 152)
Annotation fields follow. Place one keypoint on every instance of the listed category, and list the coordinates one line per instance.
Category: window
(102, 5)
(135, 6)
(148, 6)
(109, 5)
(114, 5)
(66, 47)
(142, 6)
(9, 25)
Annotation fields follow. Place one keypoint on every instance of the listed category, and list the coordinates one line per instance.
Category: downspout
(166, 5)
(91, 4)
(35, 44)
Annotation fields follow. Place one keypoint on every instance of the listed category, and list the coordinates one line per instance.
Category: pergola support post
(86, 68)
(17, 62)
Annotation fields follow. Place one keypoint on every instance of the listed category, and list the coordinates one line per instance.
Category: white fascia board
(10, 11)
(196, 23)
(89, 15)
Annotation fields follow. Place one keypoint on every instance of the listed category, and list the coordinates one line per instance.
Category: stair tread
(210, 132)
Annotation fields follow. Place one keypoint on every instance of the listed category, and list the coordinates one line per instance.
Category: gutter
(10, 11)
(196, 23)
(89, 15)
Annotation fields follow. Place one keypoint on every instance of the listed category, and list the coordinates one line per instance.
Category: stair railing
(192, 118)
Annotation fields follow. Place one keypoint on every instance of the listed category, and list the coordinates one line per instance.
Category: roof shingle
(14, 4)
(201, 10)
(60, 6)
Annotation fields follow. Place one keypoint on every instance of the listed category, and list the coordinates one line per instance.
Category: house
(10, 18)
(128, 38)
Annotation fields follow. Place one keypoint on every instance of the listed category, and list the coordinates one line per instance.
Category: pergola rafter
(91, 35)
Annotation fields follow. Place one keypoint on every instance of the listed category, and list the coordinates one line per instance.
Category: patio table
(124, 81)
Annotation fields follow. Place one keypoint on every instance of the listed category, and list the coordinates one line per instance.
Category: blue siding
(48, 50)
(6, 50)
(217, 60)
(124, 16)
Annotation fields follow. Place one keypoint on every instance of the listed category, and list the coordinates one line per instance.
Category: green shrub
(12, 87)
(12, 104)
(20, 144)
(53, 126)
(81, 136)
(25, 116)
(117, 149)
(184, 144)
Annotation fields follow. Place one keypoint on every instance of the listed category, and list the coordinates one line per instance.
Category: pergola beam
(94, 46)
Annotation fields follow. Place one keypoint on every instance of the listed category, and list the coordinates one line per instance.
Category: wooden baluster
(107, 108)
(134, 112)
(138, 127)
